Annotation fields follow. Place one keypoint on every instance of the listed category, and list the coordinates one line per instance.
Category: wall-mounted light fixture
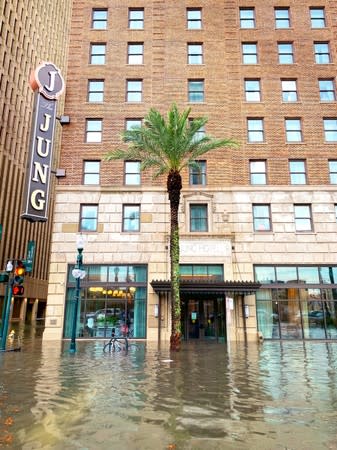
(247, 311)
(156, 311)
(64, 120)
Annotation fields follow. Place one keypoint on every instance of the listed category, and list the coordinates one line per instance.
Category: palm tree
(169, 145)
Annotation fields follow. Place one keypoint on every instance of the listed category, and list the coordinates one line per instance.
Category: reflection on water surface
(273, 396)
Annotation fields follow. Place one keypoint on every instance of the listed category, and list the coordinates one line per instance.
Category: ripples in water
(271, 396)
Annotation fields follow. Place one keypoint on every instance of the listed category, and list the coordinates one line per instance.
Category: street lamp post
(78, 273)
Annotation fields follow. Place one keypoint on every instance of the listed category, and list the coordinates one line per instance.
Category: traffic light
(19, 273)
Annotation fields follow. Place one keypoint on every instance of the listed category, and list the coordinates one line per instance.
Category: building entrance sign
(48, 84)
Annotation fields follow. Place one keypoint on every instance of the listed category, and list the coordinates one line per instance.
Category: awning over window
(201, 286)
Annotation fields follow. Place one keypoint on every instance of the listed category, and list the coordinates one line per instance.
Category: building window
(134, 90)
(322, 52)
(131, 217)
(285, 53)
(99, 19)
(289, 90)
(95, 91)
(253, 90)
(135, 53)
(94, 129)
(195, 53)
(197, 174)
(261, 218)
(297, 172)
(336, 213)
(199, 134)
(194, 18)
(293, 130)
(195, 91)
(97, 53)
(91, 172)
(330, 129)
(255, 130)
(317, 17)
(282, 18)
(327, 91)
(132, 123)
(88, 217)
(258, 172)
(333, 172)
(302, 215)
(198, 218)
(247, 18)
(249, 53)
(136, 18)
(132, 173)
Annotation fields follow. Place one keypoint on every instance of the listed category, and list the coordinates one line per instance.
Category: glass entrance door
(204, 319)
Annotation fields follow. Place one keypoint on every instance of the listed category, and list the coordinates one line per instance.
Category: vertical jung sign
(48, 84)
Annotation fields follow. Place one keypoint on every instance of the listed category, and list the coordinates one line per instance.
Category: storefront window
(112, 300)
(297, 311)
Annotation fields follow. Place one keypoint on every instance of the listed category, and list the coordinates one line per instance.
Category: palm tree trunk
(174, 186)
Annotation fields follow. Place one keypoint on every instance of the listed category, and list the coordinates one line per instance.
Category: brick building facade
(264, 74)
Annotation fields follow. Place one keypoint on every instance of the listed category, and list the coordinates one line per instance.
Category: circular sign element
(48, 80)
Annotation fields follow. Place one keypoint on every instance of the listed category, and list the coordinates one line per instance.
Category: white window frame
(297, 171)
(91, 172)
(255, 129)
(293, 129)
(252, 89)
(330, 129)
(249, 53)
(247, 18)
(136, 18)
(93, 130)
(258, 172)
(327, 89)
(131, 216)
(285, 52)
(289, 90)
(135, 53)
(303, 218)
(95, 91)
(322, 52)
(194, 23)
(97, 53)
(261, 217)
(282, 18)
(134, 91)
(195, 53)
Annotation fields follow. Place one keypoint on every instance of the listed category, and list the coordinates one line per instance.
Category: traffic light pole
(5, 314)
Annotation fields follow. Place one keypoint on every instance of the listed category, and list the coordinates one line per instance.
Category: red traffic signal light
(18, 289)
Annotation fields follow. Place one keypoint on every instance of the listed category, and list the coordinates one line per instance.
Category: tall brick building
(29, 33)
(258, 223)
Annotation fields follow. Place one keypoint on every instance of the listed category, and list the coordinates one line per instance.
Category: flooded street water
(270, 396)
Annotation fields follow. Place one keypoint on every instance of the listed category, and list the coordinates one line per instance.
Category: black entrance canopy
(200, 286)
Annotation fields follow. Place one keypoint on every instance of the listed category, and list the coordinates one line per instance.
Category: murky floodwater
(270, 396)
